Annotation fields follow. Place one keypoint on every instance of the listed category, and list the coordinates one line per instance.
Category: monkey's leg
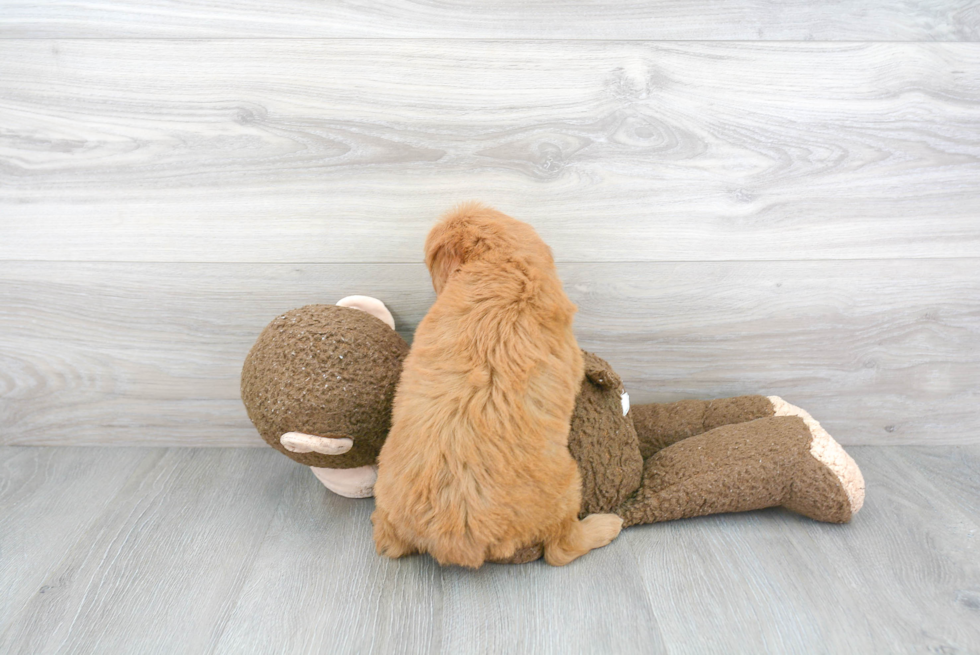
(659, 425)
(787, 461)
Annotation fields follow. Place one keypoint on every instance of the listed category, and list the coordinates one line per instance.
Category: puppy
(477, 464)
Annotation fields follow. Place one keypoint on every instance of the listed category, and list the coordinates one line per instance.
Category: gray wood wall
(780, 198)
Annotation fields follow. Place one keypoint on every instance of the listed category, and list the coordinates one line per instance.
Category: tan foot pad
(351, 483)
(826, 450)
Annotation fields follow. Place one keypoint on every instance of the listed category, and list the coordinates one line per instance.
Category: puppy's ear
(442, 255)
(462, 233)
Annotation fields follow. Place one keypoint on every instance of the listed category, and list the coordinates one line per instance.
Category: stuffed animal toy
(319, 384)
(321, 377)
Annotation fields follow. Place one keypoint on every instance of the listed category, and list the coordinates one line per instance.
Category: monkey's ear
(600, 373)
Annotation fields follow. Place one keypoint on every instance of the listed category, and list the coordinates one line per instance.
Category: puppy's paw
(386, 542)
(391, 548)
(393, 551)
(601, 528)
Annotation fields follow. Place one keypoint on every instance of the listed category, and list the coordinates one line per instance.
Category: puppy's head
(474, 231)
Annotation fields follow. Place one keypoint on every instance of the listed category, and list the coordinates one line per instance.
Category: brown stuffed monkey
(319, 382)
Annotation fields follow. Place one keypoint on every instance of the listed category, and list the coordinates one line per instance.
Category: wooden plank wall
(761, 197)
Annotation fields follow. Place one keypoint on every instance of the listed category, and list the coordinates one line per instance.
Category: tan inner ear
(298, 442)
(372, 306)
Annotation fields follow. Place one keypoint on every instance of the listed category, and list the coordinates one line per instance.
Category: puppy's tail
(575, 538)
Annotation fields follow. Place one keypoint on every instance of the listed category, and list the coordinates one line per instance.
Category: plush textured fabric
(328, 371)
(603, 441)
(734, 468)
(332, 371)
(523, 555)
(660, 425)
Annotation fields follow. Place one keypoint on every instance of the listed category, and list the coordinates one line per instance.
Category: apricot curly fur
(476, 464)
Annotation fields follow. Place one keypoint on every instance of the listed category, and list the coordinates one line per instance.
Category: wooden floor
(183, 550)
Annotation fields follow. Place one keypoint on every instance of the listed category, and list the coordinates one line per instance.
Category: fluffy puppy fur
(477, 464)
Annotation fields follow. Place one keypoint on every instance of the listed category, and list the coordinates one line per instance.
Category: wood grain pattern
(162, 568)
(317, 585)
(346, 151)
(899, 578)
(877, 20)
(880, 352)
(600, 606)
(356, 602)
(233, 550)
(49, 498)
(955, 473)
(136, 353)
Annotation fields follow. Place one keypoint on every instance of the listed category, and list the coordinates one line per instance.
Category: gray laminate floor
(182, 550)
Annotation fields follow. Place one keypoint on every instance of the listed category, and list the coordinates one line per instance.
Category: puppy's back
(476, 464)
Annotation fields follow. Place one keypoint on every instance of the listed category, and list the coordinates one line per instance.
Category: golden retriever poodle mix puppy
(476, 464)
